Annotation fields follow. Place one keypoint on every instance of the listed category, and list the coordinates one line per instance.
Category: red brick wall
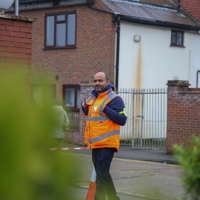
(95, 50)
(15, 45)
(183, 113)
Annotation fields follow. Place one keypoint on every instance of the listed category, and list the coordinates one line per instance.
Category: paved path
(127, 152)
(133, 179)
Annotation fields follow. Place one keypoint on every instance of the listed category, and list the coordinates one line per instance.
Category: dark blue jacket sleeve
(82, 108)
(112, 110)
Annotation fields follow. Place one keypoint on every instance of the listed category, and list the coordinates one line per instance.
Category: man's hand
(84, 107)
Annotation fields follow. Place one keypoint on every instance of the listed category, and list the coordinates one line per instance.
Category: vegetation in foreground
(27, 171)
(189, 159)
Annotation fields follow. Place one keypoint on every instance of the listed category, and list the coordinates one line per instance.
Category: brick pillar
(16, 46)
(183, 113)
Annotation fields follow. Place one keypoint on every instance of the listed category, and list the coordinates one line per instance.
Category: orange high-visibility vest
(101, 132)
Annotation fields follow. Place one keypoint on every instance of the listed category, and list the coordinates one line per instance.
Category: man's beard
(100, 88)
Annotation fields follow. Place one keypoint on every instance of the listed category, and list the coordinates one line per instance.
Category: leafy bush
(189, 158)
(27, 171)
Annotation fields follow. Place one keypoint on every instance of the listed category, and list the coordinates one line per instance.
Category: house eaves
(156, 23)
(42, 4)
(151, 14)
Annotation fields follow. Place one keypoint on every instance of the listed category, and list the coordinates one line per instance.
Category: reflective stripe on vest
(100, 118)
(88, 100)
(111, 96)
(101, 137)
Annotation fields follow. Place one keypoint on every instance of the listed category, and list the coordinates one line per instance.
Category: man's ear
(108, 81)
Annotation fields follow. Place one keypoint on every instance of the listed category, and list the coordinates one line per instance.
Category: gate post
(133, 120)
(183, 113)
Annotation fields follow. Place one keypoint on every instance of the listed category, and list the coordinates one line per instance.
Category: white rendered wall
(151, 62)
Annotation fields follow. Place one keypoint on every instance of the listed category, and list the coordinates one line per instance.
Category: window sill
(56, 48)
(172, 45)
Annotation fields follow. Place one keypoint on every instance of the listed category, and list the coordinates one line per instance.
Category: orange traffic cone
(92, 187)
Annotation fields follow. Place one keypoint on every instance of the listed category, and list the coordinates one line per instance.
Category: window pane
(173, 37)
(50, 31)
(78, 102)
(71, 29)
(69, 97)
(60, 34)
(60, 17)
(179, 38)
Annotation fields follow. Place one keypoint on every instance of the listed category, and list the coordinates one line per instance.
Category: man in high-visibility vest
(105, 113)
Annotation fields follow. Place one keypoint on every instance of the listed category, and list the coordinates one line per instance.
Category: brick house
(72, 40)
(69, 63)
(76, 62)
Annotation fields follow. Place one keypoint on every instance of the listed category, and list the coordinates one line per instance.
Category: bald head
(101, 80)
(103, 73)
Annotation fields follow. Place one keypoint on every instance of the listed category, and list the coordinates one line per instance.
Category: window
(71, 96)
(60, 30)
(43, 93)
(177, 38)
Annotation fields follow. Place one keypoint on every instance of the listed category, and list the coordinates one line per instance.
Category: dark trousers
(102, 159)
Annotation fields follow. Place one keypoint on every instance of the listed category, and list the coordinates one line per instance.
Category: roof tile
(148, 11)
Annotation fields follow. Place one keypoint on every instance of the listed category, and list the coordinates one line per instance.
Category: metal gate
(146, 118)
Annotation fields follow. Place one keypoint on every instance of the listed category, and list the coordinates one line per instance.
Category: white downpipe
(16, 7)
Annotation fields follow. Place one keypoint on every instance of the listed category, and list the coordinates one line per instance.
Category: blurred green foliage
(27, 171)
(189, 158)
